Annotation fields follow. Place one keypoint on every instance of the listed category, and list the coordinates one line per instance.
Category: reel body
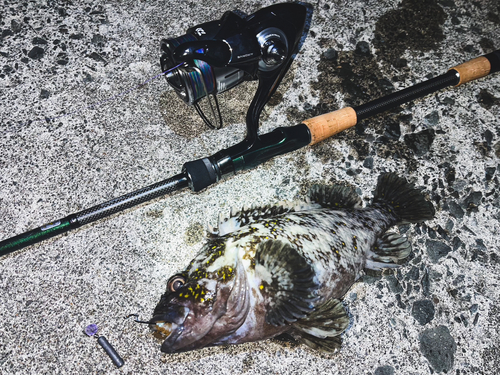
(218, 55)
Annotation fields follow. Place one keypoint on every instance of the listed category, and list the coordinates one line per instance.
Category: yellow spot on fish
(180, 295)
(202, 300)
(230, 269)
(197, 286)
(261, 287)
(196, 296)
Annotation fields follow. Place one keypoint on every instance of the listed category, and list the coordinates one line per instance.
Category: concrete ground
(438, 313)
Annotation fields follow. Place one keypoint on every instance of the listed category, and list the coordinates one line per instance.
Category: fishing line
(100, 103)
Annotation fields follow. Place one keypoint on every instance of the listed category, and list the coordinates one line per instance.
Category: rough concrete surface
(437, 313)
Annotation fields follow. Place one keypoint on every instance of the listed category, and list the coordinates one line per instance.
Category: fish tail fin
(403, 199)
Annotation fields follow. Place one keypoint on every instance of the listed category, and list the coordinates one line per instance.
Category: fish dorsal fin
(335, 196)
(249, 215)
(321, 329)
(287, 282)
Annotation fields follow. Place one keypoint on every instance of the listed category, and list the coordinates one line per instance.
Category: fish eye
(175, 283)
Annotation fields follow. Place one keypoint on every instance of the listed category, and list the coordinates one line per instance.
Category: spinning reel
(218, 55)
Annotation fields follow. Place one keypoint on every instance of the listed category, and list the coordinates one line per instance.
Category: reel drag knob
(274, 52)
(273, 47)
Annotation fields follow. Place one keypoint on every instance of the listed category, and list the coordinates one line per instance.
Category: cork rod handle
(324, 126)
(473, 69)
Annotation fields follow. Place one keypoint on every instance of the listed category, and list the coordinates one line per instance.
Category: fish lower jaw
(165, 328)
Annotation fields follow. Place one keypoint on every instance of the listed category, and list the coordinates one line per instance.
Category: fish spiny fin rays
(335, 197)
(321, 329)
(403, 199)
(389, 250)
(249, 215)
(287, 282)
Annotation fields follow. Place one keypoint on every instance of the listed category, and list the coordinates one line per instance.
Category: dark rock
(401, 304)
(386, 85)
(487, 100)
(95, 56)
(331, 54)
(36, 53)
(420, 142)
(368, 162)
(436, 250)
(393, 284)
(62, 58)
(488, 136)
(384, 370)
(457, 243)
(38, 40)
(44, 94)
(15, 26)
(490, 171)
(455, 210)
(439, 347)
(432, 118)
(480, 252)
(393, 130)
(76, 36)
(423, 311)
(98, 40)
(7, 32)
(8, 69)
(413, 274)
(426, 284)
(473, 200)
(363, 49)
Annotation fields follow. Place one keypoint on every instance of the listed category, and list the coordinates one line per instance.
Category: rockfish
(284, 269)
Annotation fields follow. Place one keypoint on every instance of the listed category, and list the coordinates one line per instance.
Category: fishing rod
(216, 58)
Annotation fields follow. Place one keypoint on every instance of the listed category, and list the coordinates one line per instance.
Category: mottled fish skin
(283, 269)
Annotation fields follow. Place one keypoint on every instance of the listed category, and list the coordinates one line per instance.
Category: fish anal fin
(389, 250)
(328, 344)
(335, 196)
(287, 282)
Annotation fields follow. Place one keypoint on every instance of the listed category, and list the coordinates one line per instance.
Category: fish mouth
(168, 326)
(165, 329)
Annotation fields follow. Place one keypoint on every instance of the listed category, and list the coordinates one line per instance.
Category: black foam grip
(494, 59)
(201, 174)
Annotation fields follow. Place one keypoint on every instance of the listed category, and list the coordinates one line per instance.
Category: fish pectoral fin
(389, 250)
(335, 196)
(287, 282)
(326, 321)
